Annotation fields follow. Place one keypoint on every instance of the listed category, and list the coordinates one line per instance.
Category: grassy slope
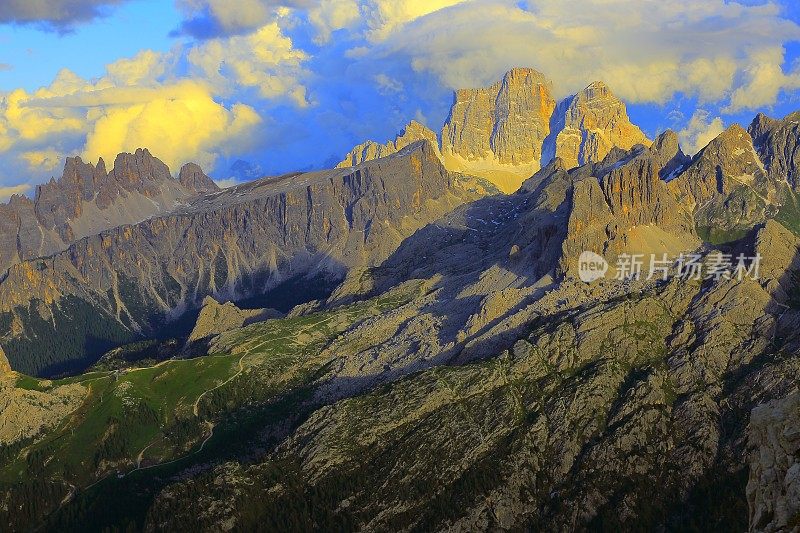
(156, 415)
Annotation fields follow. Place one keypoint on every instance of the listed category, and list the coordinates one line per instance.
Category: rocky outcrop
(193, 178)
(506, 132)
(216, 318)
(498, 131)
(727, 187)
(25, 412)
(129, 281)
(370, 150)
(594, 122)
(624, 205)
(776, 142)
(88, 199)
(507, 120)
(5, 366)
(773, 489)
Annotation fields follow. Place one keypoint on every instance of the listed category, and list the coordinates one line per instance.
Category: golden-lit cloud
(265, 59)
(330, 15)
(764, 78)
(648, 51)
(148, 101)
(8, 192)
(185, 124)
(180, 122)
(145, 67)
(384, 16)
(47, 160)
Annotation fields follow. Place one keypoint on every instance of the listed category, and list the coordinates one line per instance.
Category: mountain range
(508, 131)
(405, 342)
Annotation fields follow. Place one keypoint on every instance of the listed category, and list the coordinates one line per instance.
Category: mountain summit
(509, 130)
(595, 121)
(88, 199)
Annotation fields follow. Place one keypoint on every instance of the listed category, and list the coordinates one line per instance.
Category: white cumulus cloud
(700, 131)
(646, 50)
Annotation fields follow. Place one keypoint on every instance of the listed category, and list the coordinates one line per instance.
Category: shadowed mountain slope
(61, 311)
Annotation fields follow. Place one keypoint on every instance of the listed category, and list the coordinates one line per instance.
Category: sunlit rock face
(508, 131)
(595, 121)
(88, 199)
(371, 150)
(498, 131)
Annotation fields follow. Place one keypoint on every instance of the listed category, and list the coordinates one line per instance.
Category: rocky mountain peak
(414, 132)
(498, 131)
(726, 187)
(370, 150)
(761, 124)
(507, 131)
(595, 121)
(193, 178)
(667, 141)
(80, 203)
(596, 90)
(776, 142)
(733, 152)
(137, 168)
(522, 77)
(5, 366)
(667, 149)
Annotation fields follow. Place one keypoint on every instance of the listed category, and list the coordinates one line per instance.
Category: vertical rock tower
(499, 130)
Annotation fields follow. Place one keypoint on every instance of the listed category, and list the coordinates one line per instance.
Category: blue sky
(294, 85)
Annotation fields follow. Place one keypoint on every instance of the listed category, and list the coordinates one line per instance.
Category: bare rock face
(5, 366)
(88, 199)
(506, 132)
(193, 178)
(498, 131)
(508, 120)
(776, 142)
(371, 150)
(595, 122)
(239, 243)
(779, 249)
(25, 414)
(727, 187)
(773, 490)
(623, 204)
(216, 318)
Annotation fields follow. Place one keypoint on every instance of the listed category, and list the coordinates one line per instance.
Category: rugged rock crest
(500, 128)
(87, 200)
(370, 150)
(595, 121)
(216, 318)
(727, 187)
(128, 281)
(193, 178)
(509, 130)
(777, 144)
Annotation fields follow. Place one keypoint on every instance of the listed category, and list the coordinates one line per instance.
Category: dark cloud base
(55, 15)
